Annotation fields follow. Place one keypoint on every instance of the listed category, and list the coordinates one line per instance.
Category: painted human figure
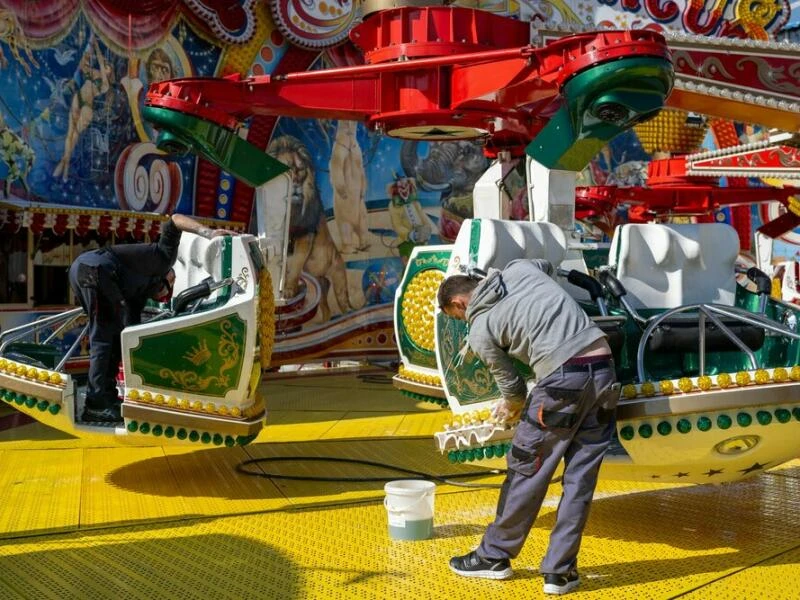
(93, 82)
(349, 189)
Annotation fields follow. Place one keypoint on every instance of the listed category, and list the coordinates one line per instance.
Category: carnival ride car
(189, 373)
(443, 73)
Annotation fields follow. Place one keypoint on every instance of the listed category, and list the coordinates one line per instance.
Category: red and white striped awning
(16, 214)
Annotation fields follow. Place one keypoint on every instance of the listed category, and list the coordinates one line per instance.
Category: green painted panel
(600, 103)
(423, 261)
(205, 359)
(181, 133)
(465, 375)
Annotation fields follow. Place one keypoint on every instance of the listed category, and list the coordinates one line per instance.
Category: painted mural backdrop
(72, 78)
(73, 75)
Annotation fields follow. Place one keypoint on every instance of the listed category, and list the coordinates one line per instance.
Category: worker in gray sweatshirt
(522, 313)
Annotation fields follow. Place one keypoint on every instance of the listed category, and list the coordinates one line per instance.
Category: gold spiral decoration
(266, 318)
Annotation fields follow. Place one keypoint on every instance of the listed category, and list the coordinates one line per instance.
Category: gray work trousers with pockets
(568, 414)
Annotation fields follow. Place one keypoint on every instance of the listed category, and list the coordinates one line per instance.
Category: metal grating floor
(83, 520)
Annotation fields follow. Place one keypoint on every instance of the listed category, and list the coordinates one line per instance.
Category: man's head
(164, 292)
(454, 295)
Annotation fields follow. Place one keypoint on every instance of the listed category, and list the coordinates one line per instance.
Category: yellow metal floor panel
(364, 424)
(282, 425)
(775, 577)
(110, 494)
(637, 545)
(210, 485)
(39, 490)
(149, 522)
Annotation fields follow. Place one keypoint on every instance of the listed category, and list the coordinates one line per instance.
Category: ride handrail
(21, 331)
(711, 311)
(72, 348)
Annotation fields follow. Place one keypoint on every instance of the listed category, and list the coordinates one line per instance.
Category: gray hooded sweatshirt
(523, 313)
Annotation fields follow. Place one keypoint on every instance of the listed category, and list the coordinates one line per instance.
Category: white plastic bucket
(409, 505)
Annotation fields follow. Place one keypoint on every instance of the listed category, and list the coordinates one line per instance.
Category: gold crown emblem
(199, 354)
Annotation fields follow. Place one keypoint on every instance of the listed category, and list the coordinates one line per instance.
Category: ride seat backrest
(666, 266)
(500, 242)
(198, 259)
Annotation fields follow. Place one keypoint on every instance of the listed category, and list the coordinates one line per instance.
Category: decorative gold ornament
(417, 307)
(648, 389)
(724, 380)
(671, 131)
(761, 376)
(780, 375)
(666, 387)
(266, 317)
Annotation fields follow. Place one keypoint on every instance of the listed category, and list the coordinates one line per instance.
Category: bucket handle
(390, 508)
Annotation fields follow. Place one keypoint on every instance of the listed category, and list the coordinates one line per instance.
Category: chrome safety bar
(712, 312)
(27, 329)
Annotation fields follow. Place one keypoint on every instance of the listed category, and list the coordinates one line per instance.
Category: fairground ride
(712, 382)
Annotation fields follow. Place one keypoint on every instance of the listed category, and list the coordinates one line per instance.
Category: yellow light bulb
(629, 391)
(704, 382)
(685, 385)
(724, 380)
(780, 375)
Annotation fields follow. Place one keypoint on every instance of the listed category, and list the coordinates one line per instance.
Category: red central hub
(418, 32)
(433, 73)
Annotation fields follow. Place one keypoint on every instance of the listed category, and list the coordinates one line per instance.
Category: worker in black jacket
(113, 285)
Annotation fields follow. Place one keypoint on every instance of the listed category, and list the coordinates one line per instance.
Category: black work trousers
(90, 277)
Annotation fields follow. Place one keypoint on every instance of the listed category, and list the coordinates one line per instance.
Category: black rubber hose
(242, 468)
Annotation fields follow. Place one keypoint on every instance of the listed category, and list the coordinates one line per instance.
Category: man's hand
(190, 225)
(220, 232)
(507, 410)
